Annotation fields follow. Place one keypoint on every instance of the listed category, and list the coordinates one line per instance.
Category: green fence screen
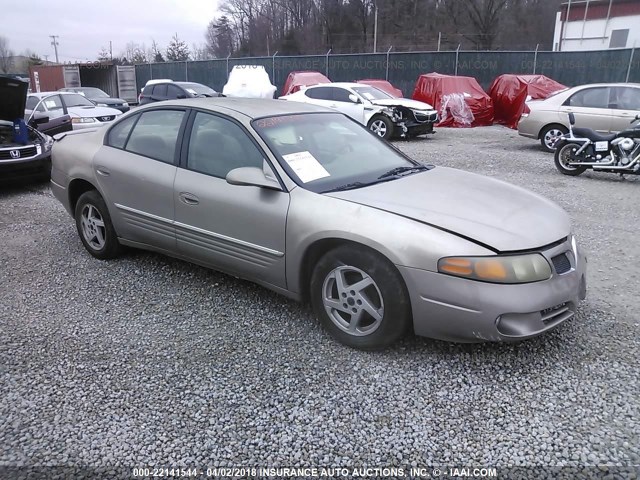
(403, 69)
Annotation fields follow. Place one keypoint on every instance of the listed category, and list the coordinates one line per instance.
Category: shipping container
(116, 80)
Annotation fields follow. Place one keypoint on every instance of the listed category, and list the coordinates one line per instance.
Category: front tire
(562, 158)
(94, 226)
(360, 298)
(382, 126)
(550, 135)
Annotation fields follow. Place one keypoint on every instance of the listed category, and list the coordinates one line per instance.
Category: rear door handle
(189, 198)
(103, 171)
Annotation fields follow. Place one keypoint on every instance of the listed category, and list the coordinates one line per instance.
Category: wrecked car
(384, 115)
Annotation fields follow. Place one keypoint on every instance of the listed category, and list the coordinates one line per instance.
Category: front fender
(316, 217)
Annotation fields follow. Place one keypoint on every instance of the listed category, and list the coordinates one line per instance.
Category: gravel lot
(149, 361)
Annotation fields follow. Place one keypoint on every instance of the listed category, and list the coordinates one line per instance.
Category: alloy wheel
(353, 301)
(93, 228)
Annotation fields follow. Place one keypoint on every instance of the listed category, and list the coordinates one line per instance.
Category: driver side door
(233, 228)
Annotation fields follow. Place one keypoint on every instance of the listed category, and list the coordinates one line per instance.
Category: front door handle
(189, 198)
(103, 171)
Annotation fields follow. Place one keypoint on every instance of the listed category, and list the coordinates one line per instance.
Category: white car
(249, 81)
(383, 114)
(83, 112)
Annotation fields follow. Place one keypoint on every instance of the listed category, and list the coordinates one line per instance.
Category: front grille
(25, 152)
(107, 118)
(561, 263)
(425, 117)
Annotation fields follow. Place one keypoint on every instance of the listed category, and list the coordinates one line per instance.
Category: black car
(24, 151)
(174, 90)
(100, 98)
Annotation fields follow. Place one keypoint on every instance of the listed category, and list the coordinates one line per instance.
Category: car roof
(338, 84)
(46, 94)
(613, 84)
(248, 107)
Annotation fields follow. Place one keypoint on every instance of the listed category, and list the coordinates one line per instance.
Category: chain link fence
(403, 69)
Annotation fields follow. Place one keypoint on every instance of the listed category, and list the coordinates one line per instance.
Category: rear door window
(119, 134)
(625, 98)
(590, 98)
(160, 90)
(156, 134)
(174, 92)
(320, 93)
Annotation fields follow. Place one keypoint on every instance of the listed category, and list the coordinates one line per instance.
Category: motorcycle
(582, 148)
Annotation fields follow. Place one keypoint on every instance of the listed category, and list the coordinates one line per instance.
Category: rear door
(238, 229)
(136, 169)
(625, 104)
(591, 108)
(344, 104)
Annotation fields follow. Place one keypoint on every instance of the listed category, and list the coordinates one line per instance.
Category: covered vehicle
(382, 85)
(24, 151)
(510, 93)
(249, 81)
(303, 78)
(460, 101)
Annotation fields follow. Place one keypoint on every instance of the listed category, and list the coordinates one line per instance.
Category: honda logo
(15, 153)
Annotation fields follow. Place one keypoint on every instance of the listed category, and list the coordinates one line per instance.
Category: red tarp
(295, 80)
(382, 85)
(510, 92)
(460, 101)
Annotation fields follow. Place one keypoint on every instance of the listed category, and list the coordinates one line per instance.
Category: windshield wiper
(403, 170)
(350, 186)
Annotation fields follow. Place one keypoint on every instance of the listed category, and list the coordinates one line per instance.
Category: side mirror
(251, 176)
(572, 119)
(39, 118)
(354, 98)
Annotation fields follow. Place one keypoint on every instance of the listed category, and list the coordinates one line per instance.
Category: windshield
(372, 93)
(77, 100)
(92, 93)
(198, 89)
(326, 151)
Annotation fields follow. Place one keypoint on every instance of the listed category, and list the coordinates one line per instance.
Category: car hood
(93, 111)
(108, 101)
(490, 212)
(403, 102)
(13, 98)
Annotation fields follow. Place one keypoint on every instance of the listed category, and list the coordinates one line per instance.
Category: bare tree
(6, 56)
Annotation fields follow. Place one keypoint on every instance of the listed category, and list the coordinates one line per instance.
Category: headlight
(83, 120)
(48, 143)
(524, 115)
(101, 105)
(125, 104)
(499, 269)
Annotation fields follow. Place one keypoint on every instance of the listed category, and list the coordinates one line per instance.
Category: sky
(84, 27)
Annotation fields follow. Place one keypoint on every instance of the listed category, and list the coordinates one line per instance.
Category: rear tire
(562, 159)
(382, 126)
(551, 134)
(360, 298)
(94, 226)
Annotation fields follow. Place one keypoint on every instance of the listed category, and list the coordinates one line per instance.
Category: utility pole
(375, 27)
(55, 44)
(46, 59)
(110, 50)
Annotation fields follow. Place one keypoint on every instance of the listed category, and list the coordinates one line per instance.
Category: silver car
(605, 108)
(309, 203)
